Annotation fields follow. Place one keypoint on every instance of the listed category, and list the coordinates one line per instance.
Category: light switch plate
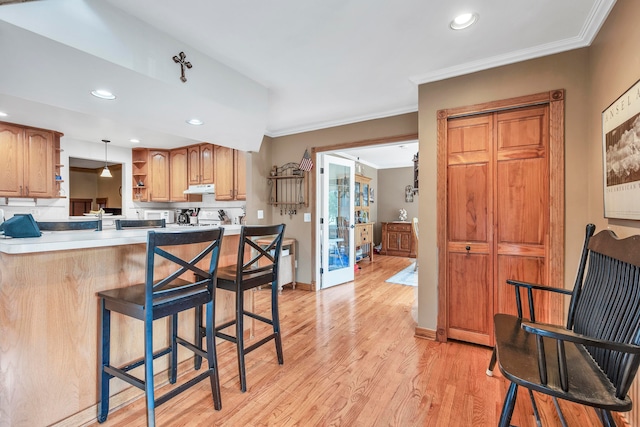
(260, 214)
(307, 217)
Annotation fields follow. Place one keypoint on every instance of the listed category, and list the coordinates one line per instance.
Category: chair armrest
(539, 287)
(563, 334)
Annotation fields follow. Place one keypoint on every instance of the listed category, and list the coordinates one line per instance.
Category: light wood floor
(351, 359)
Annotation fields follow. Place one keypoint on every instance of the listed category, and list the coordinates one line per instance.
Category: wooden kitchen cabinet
(397, 239)
(200, 164)
(29, 162)
(139, 159)
(159, 176)
(178, 175)
(230, 172)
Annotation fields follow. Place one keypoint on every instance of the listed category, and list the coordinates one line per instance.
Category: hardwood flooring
(351, 359)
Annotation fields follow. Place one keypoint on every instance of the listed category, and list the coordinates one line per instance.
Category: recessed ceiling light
(463, 21)
(195, 122)
(134, 141)
(103, 94)
(2, 114)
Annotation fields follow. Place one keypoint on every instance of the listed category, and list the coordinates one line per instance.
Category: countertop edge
(70, 240)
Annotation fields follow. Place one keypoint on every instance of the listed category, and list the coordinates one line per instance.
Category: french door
(337, 222)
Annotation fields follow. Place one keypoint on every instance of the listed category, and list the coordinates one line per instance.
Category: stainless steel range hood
(200, 189)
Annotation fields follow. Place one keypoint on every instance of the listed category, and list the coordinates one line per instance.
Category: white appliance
(200, 189)
(167, 215)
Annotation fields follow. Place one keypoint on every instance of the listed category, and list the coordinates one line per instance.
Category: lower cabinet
(397, 239)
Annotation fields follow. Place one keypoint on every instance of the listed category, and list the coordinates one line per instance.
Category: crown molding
(594, 21)
(335, 123)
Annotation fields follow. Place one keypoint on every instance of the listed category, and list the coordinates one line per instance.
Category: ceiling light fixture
(134, 141)
(103, 94)
(3, 114)
(195, 122)
(106, 173)
(463, 21)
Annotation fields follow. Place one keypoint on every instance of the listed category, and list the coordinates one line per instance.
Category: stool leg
(197, 361)
(240, 338)
(275, 319)
(492, 363)
(173, 362)
(103, 377)
(212, 357)
(509, 404)
(148, 371)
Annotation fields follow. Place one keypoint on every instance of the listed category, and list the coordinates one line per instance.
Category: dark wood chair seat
(518, 355)
(593, 359)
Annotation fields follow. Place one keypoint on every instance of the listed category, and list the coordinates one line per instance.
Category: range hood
(200, 189)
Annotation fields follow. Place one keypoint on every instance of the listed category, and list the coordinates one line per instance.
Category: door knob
(467, 248)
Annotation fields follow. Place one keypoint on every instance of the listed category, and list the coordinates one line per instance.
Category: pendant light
(106, 173)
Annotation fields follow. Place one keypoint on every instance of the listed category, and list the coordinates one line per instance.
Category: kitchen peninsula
(49, 321)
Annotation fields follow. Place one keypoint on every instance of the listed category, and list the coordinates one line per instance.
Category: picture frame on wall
(621, 156)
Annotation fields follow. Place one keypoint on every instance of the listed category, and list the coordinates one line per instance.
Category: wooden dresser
(397, 239)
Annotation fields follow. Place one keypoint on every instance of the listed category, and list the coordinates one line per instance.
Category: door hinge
(321, 270)
(321, 171)
(321, 220)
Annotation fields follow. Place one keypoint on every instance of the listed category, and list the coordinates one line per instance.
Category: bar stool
(140, 223)
(261, 268)
(95, 224)
(159, 297)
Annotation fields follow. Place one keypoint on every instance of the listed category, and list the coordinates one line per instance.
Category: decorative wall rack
(289, 189)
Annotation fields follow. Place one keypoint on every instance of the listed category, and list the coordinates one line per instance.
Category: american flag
(306, 164)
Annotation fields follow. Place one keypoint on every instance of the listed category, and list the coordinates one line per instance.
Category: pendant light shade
(106, 173)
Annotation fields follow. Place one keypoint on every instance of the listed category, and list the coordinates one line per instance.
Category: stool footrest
(182, 387)
(258, 317)
(259, 343)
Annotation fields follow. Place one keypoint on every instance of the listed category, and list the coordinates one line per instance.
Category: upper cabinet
(29, 162)
(178, 175)
(159, 176)
(230, 174)
(200, 164)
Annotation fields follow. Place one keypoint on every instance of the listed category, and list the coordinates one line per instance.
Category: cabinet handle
(27, 187)
(467, 248)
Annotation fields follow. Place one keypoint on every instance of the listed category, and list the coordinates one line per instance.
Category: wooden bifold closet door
(497, 175)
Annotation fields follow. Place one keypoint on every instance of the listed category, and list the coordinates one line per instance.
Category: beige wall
(290, 148)
(390, 196)
(614, 66)
(563, 71)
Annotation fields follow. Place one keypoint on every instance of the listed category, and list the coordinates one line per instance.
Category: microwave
(167, 215)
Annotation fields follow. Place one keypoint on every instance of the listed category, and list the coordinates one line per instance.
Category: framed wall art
(621, 156)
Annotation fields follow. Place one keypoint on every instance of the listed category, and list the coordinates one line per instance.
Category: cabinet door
(159, 176)
(193, 164)
(206, 164)
(240, 175)
(11, 160)
(223, 172)
(178, 175)
(38, 164)
(393, 241)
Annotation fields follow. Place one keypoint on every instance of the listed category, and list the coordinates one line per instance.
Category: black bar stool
(140, 223)
(70, 225)
(160, 297)
(260, 268)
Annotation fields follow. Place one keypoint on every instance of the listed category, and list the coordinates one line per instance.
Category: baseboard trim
(424, 333)
(305, 286)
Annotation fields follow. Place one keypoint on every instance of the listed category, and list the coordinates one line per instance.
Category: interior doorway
(344, 150)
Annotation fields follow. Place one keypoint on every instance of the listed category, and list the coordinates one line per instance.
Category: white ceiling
(259, 67)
